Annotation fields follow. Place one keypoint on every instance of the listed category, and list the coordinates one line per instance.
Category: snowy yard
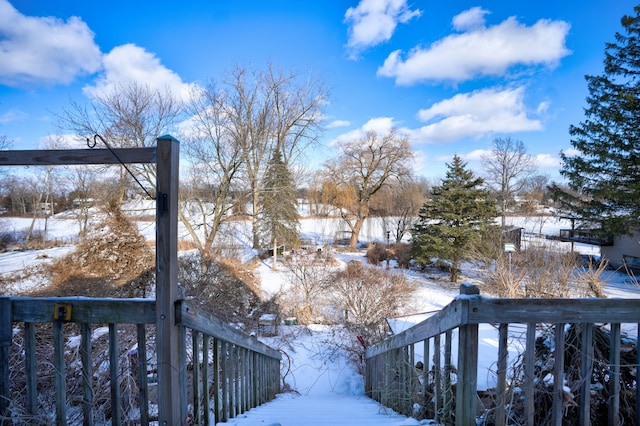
(324, 387)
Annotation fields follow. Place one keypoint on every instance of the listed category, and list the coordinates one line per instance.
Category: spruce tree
(279, 217)
(604, 178)
(453, 219)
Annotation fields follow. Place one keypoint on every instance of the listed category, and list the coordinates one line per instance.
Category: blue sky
(452, 75)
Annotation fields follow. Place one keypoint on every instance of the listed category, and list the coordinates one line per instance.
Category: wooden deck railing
(92, 361)
(547, 390)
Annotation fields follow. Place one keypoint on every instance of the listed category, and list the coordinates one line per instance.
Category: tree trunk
(274, 266)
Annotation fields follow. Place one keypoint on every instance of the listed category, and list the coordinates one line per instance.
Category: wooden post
(6, 335)
(170, 411)
(466, 390)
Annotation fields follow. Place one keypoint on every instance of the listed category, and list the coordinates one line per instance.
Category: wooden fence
(549, 366)
(96, 361)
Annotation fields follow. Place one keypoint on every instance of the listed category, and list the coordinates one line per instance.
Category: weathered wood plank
(77, 156)
(449, 318)
(92, 311)
(569, 311)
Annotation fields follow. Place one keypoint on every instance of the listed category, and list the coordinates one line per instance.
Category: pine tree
(453, 219)
(279, 218)
(604, 178)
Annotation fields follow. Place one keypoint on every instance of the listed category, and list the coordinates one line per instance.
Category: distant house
(618, 250)
(625, 250)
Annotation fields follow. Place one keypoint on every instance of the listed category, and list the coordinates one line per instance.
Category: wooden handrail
(463, 315)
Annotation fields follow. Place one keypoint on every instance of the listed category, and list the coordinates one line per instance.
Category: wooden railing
(91, 361)
(550, 377)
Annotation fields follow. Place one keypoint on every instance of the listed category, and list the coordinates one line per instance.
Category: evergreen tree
(604, 178)
(453, 219)
(279, 218)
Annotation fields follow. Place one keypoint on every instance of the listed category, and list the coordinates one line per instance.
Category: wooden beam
(70, 157)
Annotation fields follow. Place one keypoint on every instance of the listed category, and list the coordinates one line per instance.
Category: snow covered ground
(324, 388)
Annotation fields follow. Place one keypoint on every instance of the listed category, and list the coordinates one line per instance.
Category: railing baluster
(30, 368)
(6, 336)
(501, 388)
(206, 347)
(143, 383)
(225, 381)
(217, 374)
(557, 408)
(586, 371)
(448, 392)
(426, 359)
(529, 368)
(114, 375)
(87, 374)
(614, 375)
(437, 367)
(637, 417)
(60, 376)
(195, 374)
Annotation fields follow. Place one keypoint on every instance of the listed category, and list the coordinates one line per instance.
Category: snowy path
(295, 410)
(327, 389)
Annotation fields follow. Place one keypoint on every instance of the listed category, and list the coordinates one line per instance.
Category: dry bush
(549, 273)
(592, 279)
(113, 260)
(363, 297)
(224, 288)
(101, 380)
(505, 280)
(309, 282)
(402, 253)
(377, 253)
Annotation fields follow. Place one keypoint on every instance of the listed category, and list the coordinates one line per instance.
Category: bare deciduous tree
(398, 205)
(132, 115)
(216, 156)
(506, 167)
(268, 110)
(362, 168)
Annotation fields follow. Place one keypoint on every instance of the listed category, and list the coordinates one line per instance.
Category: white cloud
(480, 51)
(374, 21)
(44, 50)
(470, 19)
(380, 125)
(338, 123)
(13, 115)
(547, 161)
(475, 114)
(129, 64)
(476, 155)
